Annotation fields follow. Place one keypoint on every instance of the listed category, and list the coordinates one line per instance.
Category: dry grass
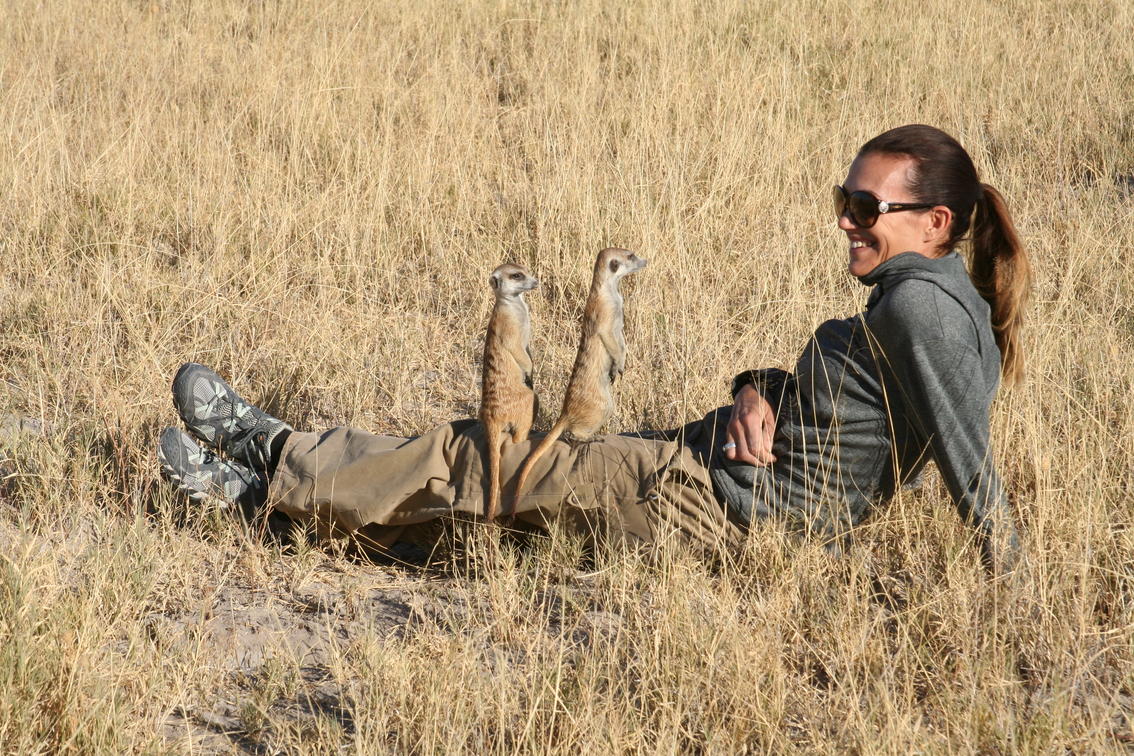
(310, 199)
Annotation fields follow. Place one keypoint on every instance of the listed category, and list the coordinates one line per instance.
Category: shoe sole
(180, 389)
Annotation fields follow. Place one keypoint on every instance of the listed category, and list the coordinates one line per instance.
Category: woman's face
(884, 176)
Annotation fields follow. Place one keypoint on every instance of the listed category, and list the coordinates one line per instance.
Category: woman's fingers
(769, 428)
(759, 451)
(749, 430)
(742, 452)
(735, 440)
(736, 435)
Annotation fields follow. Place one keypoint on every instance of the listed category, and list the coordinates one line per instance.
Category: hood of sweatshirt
(947, 272)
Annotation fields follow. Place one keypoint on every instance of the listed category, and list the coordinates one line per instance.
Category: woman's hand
(751, 428)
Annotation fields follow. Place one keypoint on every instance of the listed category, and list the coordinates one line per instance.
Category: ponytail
(1002, 274)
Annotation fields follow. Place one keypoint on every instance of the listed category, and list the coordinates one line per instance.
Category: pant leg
(635, 489)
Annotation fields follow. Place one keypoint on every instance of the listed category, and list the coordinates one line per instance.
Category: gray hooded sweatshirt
(876, 396)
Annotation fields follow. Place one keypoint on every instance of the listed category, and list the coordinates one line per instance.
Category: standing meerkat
(507, 401)
(589, 401)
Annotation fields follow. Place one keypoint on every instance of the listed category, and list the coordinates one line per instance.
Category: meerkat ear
(614, 264)
(494, 282)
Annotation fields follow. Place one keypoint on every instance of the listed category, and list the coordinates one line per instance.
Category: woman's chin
(860, 267)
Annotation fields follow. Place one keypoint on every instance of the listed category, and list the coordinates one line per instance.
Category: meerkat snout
(622, 262)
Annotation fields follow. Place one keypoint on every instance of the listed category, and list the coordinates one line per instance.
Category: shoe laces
(251, 442)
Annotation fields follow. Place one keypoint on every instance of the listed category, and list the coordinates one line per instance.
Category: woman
(876, 396)
(871, 400)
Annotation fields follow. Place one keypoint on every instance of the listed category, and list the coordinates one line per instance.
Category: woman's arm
(941, 382)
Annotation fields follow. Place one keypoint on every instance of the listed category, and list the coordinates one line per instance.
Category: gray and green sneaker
(216, 414)
(203, 477)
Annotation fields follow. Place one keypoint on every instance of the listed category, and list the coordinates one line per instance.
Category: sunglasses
(863, 208)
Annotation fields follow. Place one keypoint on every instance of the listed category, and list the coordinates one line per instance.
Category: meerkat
(507, 401)
(589, 401)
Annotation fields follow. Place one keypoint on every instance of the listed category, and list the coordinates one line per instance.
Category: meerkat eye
(517, 276)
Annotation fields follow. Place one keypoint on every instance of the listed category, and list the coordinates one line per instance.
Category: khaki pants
(648, 489)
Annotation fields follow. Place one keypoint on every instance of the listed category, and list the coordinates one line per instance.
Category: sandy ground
(247, 629)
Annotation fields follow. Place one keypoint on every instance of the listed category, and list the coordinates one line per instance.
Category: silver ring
(729, 445)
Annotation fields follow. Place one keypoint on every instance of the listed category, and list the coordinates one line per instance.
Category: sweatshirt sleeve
(928, 344)
(770, 382)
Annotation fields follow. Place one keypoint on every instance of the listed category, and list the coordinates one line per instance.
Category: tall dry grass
(309, 198)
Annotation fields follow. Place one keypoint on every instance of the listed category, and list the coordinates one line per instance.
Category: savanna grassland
(309, 197)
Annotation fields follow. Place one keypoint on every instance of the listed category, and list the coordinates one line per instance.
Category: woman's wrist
(747, 378)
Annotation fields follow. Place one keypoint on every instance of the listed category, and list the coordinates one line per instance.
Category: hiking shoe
(203, 477)
(216, 414)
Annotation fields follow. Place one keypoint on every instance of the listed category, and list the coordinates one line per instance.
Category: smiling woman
(876, 396)
(871, 400)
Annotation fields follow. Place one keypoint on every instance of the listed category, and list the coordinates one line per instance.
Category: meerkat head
(511, 280)
(616, 263)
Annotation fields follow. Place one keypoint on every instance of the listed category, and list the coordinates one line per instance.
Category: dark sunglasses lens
(840, 198)
(863, 209)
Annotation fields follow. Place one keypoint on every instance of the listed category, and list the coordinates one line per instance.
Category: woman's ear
(939, 221)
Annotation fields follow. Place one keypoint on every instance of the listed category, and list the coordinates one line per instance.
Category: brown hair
(944, 174)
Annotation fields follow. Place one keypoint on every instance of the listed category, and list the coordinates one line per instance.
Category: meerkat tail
(545, 444)
(493, 475)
